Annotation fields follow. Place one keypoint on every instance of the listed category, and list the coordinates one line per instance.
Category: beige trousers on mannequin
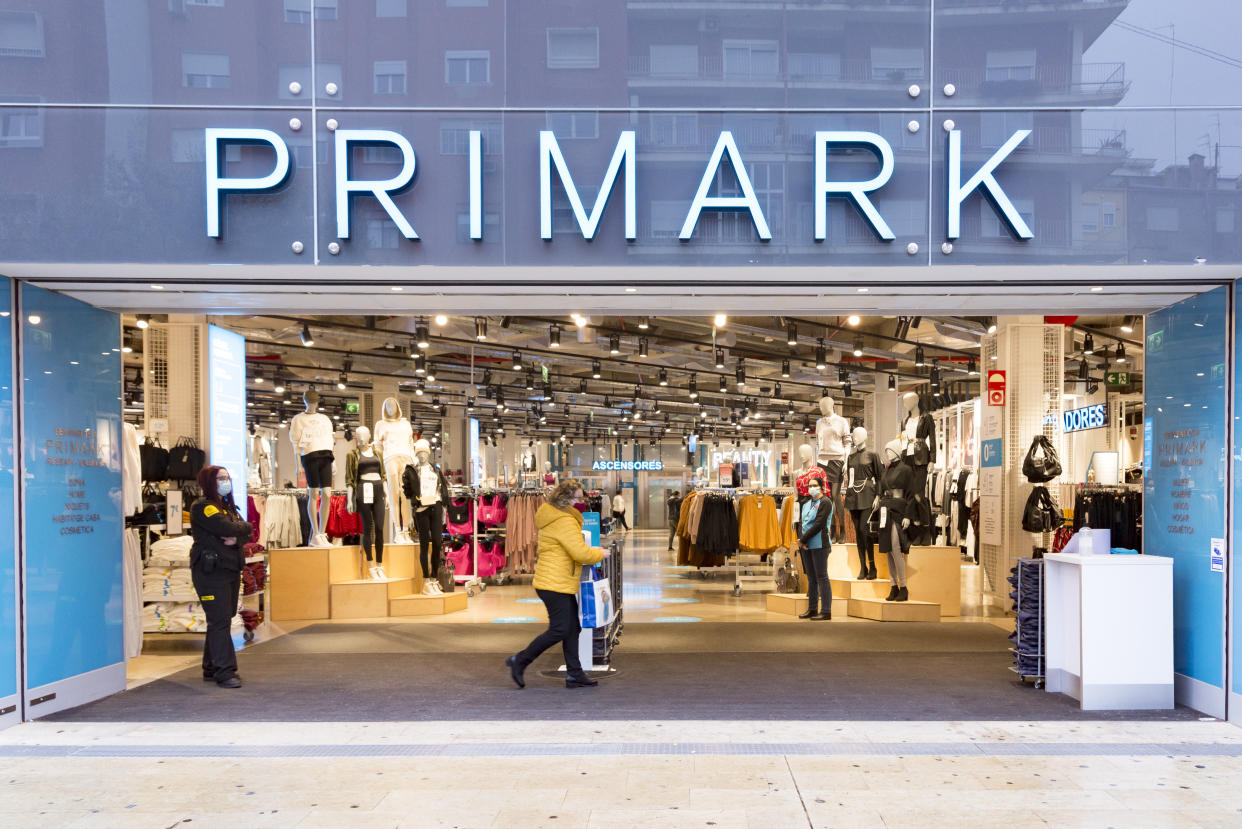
(398, 507)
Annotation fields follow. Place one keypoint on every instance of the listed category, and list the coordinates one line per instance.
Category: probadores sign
(624, 155)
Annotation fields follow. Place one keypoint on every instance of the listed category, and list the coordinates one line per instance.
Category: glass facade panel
(8, 558)
(135, 52)
(128, 185)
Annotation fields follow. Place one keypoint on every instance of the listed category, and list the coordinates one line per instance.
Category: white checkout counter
(1109, 630)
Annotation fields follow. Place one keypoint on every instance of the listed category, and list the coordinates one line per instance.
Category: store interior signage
(624, 155)
(627, 466)
(753, 456)
(1088, 417)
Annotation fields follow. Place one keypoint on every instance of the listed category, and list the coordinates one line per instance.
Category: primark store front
(1037, 180)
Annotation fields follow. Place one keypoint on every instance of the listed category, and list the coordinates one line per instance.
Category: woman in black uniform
(216, 561)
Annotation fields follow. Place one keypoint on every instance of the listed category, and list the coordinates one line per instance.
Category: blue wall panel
(8, 557)
(1184, 499)
(71, 417)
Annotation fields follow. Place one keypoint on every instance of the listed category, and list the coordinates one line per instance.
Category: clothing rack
(1027, 578)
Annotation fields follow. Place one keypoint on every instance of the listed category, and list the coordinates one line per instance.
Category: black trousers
(217, 592)
(372, 522)
(430, 526)
(619, 517)
(818, 588)
(862, 533)
(563, 627)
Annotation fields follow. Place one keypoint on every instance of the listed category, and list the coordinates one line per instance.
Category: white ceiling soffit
(963, 289)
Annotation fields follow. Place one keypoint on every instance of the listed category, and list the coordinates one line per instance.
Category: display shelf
(418, 604)
(367, 599)
(860, 588)
(795, 604)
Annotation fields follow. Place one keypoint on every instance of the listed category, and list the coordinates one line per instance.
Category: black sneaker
(582, 681)
(516, 671)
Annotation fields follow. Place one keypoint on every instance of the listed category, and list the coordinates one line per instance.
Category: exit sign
(1118, 378)
(351, 408)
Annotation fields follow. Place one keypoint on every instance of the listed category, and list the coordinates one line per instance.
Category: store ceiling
(370, 352)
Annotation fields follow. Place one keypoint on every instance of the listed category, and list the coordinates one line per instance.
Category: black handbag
(1041, 513)
(153, 460)
(185, 460)
(1041, 464)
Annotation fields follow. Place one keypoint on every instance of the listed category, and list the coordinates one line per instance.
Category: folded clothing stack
(170, 552)
(253, 578)
(173, 617)
(168, 584)
(1027, 578)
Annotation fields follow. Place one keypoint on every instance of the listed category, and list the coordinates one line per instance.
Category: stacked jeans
(1027, 578)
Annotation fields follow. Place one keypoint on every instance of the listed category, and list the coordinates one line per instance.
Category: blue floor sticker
(513, 620)
(678, 619)
(678, 600)
(530, 601)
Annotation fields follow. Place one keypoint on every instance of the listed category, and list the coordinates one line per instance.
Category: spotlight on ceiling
(595, 372)
(720, 320)
(821, 355)
(853, 319)
(554, 336)
(1127, 325)
(858, 347)
(791, 334)
(480, 328)
(919, 360)
(1088, 345)
(642, 347)
(892, 382)
(420, 336)
(307, 339)
(785, 368)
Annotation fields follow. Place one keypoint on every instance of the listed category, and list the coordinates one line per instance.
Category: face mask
(815, 491)
(225, 487)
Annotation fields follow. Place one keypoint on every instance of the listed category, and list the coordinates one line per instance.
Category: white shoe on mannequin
(379, 568)
(372, 571)
(428, 589)
(435, 588)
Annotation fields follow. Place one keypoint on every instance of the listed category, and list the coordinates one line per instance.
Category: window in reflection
(568, 125)
(389, 77)
(21, 34)
(573, 48)
(751, 59)
(204, 70)
(467, 67)
(455, 137)
(893, 63)
(21, 127)
(390, 8)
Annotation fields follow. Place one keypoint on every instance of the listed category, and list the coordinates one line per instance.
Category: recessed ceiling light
(157, 287)
(863, 290)
(1097, 288)
(396, 288)
(853, 319)
(720, 320)
(441, 319)
(631, 290)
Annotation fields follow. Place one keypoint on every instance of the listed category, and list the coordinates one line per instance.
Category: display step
(367, 598)
(879, 610)
(794, 604)
(421, 604)
(861, 588)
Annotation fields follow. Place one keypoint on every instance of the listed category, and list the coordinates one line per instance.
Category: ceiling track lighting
(517, 360)
(842, 376)
(554, 336)
(849, 389)
(663, 377)
(741, 372)
(972, 368)
(480, 328)
(785, 369)
(487, 377)
(307, 339)
(420, 363)
(595, 371)
(614, 343)
(694, 387)
(724, 384)
(143, 320)
(642, 347)
(858, 347)
(342, 381)
(720, 358)
(420, 336)
(892, 382)
(1127, 324)
(431, 372)
(821, 355)
(1083, 370)
(776, 391)
(1088, 345)
(919, 360)
(644, 323)
(791, 335)
(1120, 356)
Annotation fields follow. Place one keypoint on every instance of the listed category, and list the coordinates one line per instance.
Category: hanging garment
(759, 529)
(133, 581)
(131, 472)
(717, 534)
(459, 516)
(1120, 511)
(862, 479)
(341, 522)
(789, 517)
(282, 521)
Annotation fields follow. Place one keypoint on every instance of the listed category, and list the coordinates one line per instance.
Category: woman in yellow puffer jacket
(562, 552)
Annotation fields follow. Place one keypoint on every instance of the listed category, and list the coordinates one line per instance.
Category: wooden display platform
(302, 580)
(794, 604)
(881, 611)
(860, 588)
(843, 562)
(934, 574)
(418, 604)
(366, 598)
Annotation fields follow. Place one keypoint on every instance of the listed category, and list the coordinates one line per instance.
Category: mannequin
(892, 521)
(549, 477)
(425, 486)
(919, 451)
(394, 441)
(862, 495)
(808, 473)
(364, 472)
(311, 434)
(832, 433)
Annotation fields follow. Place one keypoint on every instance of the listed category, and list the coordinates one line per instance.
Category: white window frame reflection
(1010, 65)
(469, 59)
(908, 63)
(390, 77)
(455, 137)
(392, 8)
(21, 126)
(587, 60)
(573, 125)
(205, 79)
(747, 59)
(23, 36)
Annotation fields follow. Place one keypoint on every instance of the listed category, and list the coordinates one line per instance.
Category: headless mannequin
(311, 434)
(832, 433)
(428, 491)
(862, 495)
(367, 497)
(394, 440)
(892, 528)
(549, 477)
(918, 436)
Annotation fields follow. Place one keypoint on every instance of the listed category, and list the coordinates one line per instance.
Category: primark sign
(622, 167)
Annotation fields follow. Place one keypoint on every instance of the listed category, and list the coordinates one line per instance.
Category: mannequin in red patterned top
(810, 472)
